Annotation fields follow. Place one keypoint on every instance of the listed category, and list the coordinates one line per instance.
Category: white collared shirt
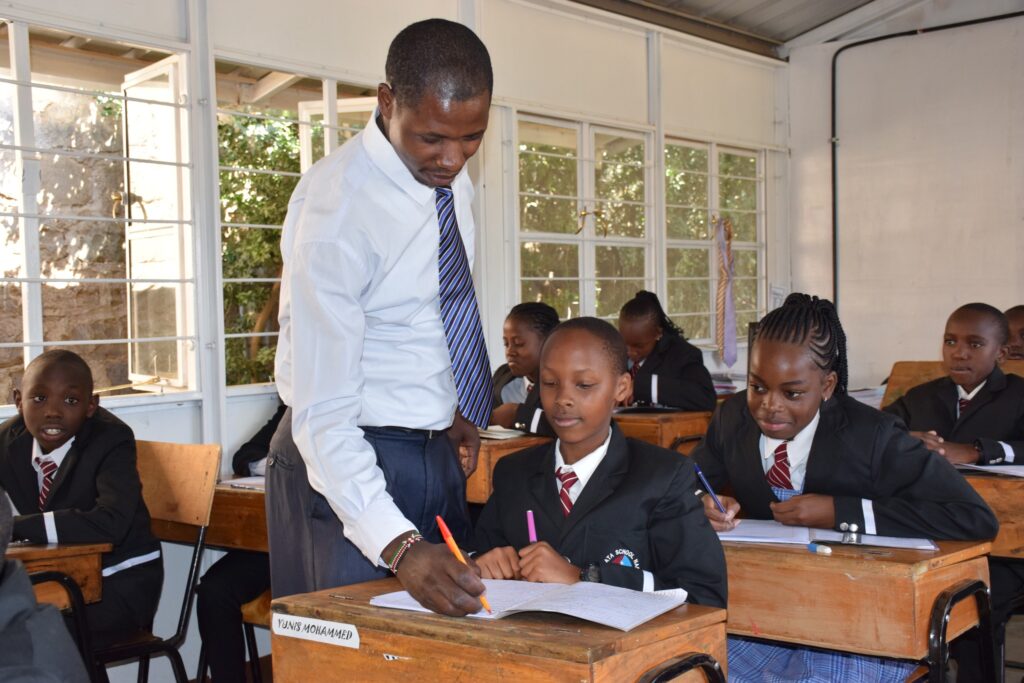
(584, 467)
(56, 456)
(362, 342)
(797, 451)
(1008, 454)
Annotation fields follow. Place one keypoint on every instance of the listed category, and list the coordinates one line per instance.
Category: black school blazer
(96, 495)
(683, 381)
(637, 512)
(995, 414)
(528, 409)
(858, 452)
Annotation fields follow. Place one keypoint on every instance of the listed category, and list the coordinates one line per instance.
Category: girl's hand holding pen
(722, 521)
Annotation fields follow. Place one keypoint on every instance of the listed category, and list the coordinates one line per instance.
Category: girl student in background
(516, 397)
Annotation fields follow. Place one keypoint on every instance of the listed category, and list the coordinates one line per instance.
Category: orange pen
(447, 535)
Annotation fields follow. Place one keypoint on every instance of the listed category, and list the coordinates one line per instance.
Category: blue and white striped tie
(461, 317)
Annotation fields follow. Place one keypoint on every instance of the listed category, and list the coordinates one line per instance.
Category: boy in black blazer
(667, 370)
(976, 413)
(607, 508)
(69, 468)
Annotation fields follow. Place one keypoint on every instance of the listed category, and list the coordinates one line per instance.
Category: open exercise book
(770, 531)
(619, 608)
(1004, 470)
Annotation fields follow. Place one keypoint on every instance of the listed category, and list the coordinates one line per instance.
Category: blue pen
(819, 549)
(707, 487)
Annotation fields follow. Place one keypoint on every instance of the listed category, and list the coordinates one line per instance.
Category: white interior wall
(931, 184)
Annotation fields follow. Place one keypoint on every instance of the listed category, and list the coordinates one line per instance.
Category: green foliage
(261, 199)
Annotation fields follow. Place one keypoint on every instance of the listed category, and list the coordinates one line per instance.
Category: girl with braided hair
(666, 369)
(516, 397)
(797, 449)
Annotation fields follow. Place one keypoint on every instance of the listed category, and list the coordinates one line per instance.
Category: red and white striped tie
(568, 479)
(963, 403)
(49, 469)
(778, 473)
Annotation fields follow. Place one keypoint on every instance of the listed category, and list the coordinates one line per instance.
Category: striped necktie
(49, 469)
(962, 404)
(567, 478)
(778, 473)
(461, 317)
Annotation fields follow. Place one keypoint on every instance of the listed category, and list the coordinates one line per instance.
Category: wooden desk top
(663, 429)
(525, 647)
(81, 561)
(480, 484)
(868, 600)
(1005, 495)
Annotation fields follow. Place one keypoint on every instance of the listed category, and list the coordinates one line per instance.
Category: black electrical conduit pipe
(835, 134)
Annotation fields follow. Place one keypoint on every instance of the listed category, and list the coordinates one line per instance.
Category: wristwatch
(591, 572)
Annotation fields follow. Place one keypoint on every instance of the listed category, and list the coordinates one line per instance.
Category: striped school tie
(778, 473)
(49, 469)
(962, 404)
(461, 317)
(567, 477)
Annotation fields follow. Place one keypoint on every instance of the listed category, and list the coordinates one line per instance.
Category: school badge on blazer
(624, 557)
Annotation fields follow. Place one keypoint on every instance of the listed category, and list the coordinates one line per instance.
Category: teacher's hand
(466, 441)
(438, 581)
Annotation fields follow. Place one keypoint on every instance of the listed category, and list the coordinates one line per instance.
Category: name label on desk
(329, 632)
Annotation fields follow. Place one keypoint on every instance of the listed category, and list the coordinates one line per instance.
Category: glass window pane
(250, 253)
(743, 320)
(250, 307)
(11, 371)
(545, 174)
(351, 122)
(86, 187)
(744, 263)
(689, 296)
(688, 263)
(83, 310)
(82, 249)
(744, 225)
(679, 158)
(109, 366)
(6, 125)
(547, 260)
(690, 189)
(744, 165)
(737, 193)
(686, 224)
(249, 360)
(10, 319)
(744, 294)
(540, 214)
(621, 220)
(610, 295)
(620, 262)
(66, 120)
(562, 295)
(693, 326)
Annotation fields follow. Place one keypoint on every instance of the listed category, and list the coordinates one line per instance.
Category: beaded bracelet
(410, 540)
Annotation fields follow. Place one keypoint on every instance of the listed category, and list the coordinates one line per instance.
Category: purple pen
(530, 526)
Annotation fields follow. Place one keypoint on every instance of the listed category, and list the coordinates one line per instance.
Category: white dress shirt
(56, 456)
(1008, 453)
(362, 342)
(584, 469)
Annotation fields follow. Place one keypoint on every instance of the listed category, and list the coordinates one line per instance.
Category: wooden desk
(662, 429)
(523, 647)
(80, 561)
(874, 601)
(238, 521)
(479, 485)
(1005, 495)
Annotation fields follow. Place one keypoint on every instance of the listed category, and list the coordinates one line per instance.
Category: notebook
(1005, 470)
(619, 608)
(770, 531)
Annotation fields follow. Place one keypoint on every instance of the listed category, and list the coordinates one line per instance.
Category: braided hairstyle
(540, 317)
(646, 305)
(813, 322)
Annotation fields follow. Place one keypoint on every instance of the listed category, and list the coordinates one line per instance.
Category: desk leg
(938, 646)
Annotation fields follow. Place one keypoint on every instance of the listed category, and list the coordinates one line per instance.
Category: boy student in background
(666, 369)
(606, 508)
(1015, 316)
(516, 396)
(69, 469)
(974, 415)
(797, 449)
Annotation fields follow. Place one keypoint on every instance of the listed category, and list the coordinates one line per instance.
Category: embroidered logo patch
(624, 557)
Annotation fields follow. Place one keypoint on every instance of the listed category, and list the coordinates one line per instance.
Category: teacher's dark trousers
(308, 548)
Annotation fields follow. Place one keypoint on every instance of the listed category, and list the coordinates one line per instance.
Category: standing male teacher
(381, 356)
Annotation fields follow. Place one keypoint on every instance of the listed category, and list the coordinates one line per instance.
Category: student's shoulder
(105, 429)
(678, 345)
(928, 389)
(521, 463)
(651, 458)
(861, 415)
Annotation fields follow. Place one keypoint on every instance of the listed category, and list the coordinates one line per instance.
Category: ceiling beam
(689, 24)
(268, 86)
